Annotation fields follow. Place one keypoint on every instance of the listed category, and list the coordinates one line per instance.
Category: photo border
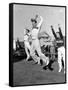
(11, 43)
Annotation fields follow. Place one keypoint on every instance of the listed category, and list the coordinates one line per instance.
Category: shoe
(47, 60)
(41, 62)
(36, 63)
(59, 69)
(50, 68)
(45, 68)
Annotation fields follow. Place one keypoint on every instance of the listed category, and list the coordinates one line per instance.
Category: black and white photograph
(38, 44)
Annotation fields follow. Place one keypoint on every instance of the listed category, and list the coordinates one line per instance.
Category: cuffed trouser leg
(27, 47)
(59, 59)
(61, 54)
(38, 49)
(32, 53)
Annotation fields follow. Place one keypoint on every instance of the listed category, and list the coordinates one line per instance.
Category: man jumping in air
(35, 46)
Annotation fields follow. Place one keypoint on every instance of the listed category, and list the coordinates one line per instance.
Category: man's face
(57, 33)
(34, 24)
(27, 31)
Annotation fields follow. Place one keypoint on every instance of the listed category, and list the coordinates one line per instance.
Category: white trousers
(14, 45)
(36, 46)
(61, 54)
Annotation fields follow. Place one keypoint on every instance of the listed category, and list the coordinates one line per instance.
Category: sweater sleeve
(40, 23)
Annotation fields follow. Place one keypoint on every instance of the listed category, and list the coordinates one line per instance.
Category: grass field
(28, 73)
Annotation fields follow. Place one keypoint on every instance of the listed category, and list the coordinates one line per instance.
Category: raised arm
(40, 23)
(53, 32)
(24, 31)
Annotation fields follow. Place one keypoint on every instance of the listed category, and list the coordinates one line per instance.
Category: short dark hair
(33, 20)
(28, 30)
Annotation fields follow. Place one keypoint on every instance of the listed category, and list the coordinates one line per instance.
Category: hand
(36, 16)
(51, 26)
(58, 24)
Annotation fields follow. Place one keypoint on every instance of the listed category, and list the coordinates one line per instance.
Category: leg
(41, 55)
(27, 54)
(59, 60)
(52, 58)
(63, 55)
(50, 65)
(27, 46)
(32, 53)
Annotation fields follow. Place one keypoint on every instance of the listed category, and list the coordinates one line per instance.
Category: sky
(51, 16)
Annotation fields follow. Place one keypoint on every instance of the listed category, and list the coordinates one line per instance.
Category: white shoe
(38, 60)
(64, 71)
(59, 70)
(47, 60)
(27, 59)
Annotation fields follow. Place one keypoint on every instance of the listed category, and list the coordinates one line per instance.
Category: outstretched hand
(36, 16)
(51, 26)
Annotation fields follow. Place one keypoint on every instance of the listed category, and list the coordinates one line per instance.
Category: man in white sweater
(35, 46)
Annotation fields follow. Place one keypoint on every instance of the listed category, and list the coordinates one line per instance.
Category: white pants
(61, 54)
(36, 46)
(27, 47)
(14, 44)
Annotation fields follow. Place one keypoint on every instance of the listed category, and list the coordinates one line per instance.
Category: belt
(34, 39)
(26, 40)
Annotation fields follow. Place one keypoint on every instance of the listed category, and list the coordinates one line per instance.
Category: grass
(28, 73)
